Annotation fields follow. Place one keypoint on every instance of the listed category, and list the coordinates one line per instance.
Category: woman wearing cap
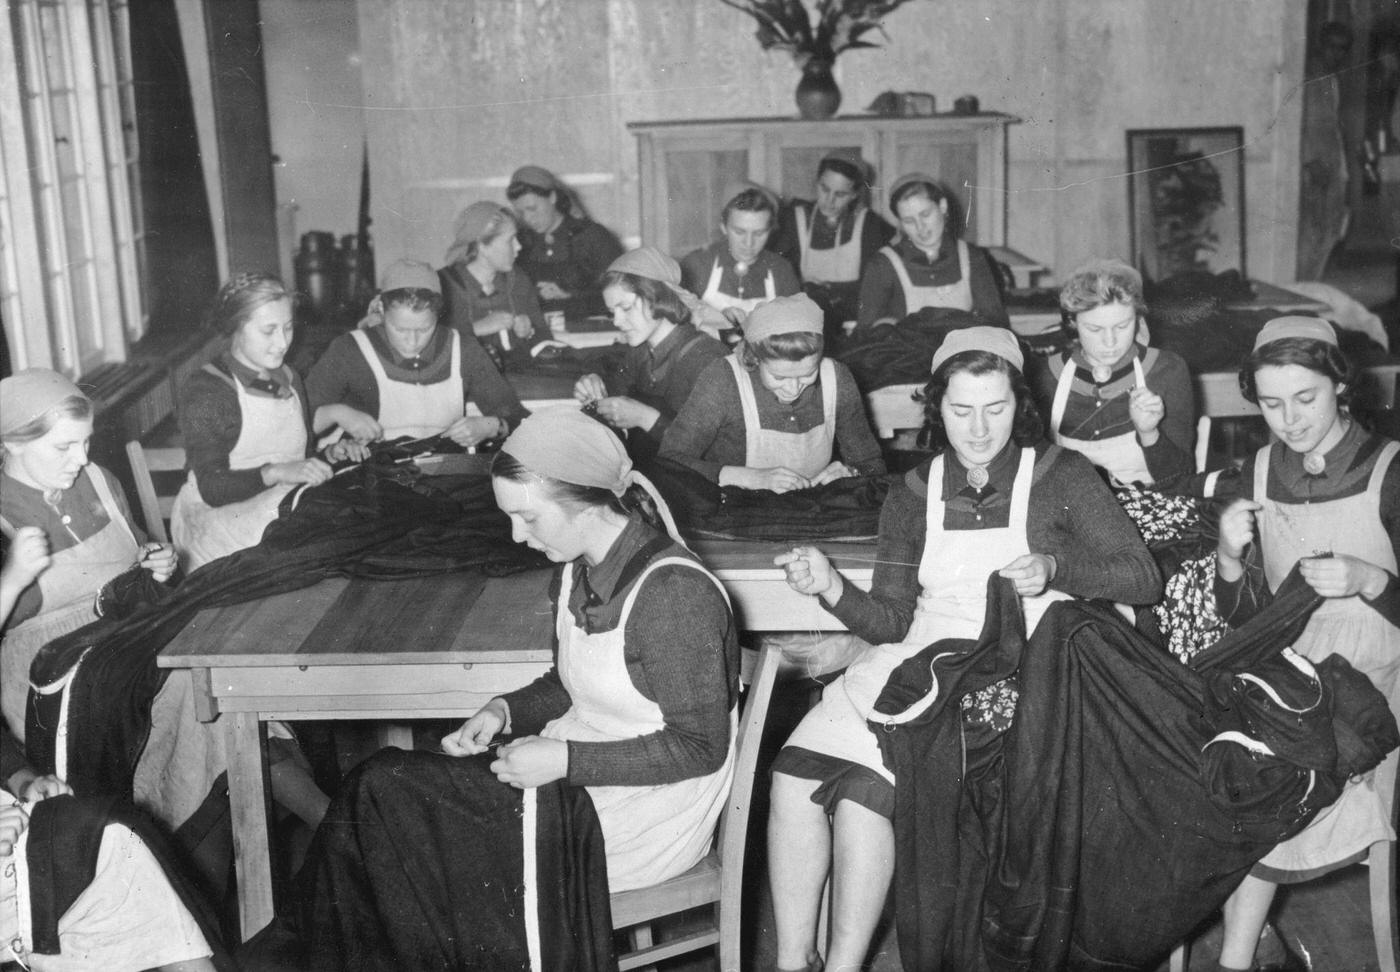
(246, 426)
(640, 706)
(561, 249)
(1324, 496)
(484, 293)
(65, 521)
(666, 352)
(1126, 406)
(995, 499)
(776, 413)
(403, 375)
(830, 240)
(928, 265)
(736, 274)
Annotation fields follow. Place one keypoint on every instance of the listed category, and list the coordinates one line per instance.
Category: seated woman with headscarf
(1126, 406)
(640, 708)
(776, 413)
(928, 265)
(484, 293)
(405, 376)
(994, 499)
(666, 352)
(830, 240)
(735, 274)
(561, 249)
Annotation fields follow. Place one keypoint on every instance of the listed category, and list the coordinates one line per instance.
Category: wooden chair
(155, 505)
(718, 879)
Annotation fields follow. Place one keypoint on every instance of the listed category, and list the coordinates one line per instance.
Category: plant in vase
(840, 25)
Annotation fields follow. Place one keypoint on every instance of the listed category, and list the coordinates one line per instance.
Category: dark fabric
(12, 758)
(897, 354)
(882, 295)
(1085, 837)
(421, 864)
(357, 524)
(848, 507)
(65, 835)
(574, 256)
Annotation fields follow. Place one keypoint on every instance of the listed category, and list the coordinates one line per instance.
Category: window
(71, 240)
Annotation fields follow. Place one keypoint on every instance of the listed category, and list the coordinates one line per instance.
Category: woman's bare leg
(863, 864)
(1246, 911)
(799, 858)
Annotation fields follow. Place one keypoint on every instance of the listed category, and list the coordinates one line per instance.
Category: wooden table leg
(396, 734)
(248, 803)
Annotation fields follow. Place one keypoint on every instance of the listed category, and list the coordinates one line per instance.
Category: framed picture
(1186, 200)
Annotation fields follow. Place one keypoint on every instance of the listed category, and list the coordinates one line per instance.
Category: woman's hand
(833, 472)
(1031, 573)
(296, 472)
(590, 388)
(627, 413)
(28, 558)
(472, 430)
(1146, 409)
(347, 449)
(355, 423)
(14, 820)
(549, 290)
(1344, 576)
(522, 326)
(779, 479)
(477, 732)
(43, 787)
(808, 571)
(735, 316)
(1236, 529)
(160, 559)
(493, 323)
(531, 761)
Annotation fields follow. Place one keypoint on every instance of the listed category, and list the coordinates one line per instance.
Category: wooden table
(431, 647)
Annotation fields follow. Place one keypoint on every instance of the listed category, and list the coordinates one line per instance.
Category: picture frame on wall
(1186, 200)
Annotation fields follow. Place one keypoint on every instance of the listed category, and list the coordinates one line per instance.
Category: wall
(459, 92)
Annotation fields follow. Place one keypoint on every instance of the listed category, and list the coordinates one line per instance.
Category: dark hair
(1320, 356)
(634, 502)
(665, 303)
(237, 299)
(516, 189)
(750, 201)
(847, 169)
(1026, 429)
(793, 346)
(413, 298)
(937, 193)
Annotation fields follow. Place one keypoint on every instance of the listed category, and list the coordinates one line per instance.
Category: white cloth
(721, 301)
(651, 833)
(413, 410)
(957, 295)
(806, 453)
(841, 263)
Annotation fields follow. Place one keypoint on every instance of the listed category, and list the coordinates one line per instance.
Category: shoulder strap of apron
(371, 356)
(1378, 471)
(749, 404)
(1063, 385)
(965, 262)
(1261, 471)
(804, 229)
(828, 370)
(221, 375)
(669, 562)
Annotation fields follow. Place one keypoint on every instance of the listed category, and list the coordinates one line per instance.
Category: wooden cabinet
(686, 165)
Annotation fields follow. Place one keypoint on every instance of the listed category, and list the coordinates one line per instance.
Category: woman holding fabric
(831, 239)
(246, 426)
(405, 375)
(561, 250)
(640, 706)
(64, 518)
(484, 292)
(928, 265)
(1126, 406)
(1324, 497)
(666, 352)
(996, 499)
(737, 273)
(776, 413)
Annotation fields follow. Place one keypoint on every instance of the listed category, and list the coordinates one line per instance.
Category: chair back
(156, 505)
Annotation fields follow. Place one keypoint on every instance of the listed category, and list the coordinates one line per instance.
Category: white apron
(1345, 626)
(651, 833)
(1120, 455)
(841, 263)
(69, 587)
(957, 295)
(721, 301)
(805, 453)
(273, 430)
(952, 603)
(413, 410)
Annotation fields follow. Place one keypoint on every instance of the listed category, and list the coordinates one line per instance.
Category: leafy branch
(841, 25)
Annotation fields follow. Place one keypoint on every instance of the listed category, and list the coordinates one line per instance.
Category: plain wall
(457, 93)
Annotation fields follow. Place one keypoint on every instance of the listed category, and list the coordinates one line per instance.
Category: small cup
(555, 320)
